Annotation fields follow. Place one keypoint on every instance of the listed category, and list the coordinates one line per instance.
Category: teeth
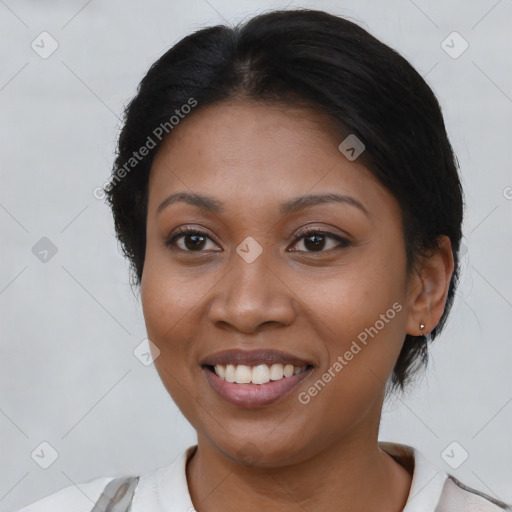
(229, 375)
(276, 372)
(260, 374)
(288, 370)
(220, 370)
(243, 374)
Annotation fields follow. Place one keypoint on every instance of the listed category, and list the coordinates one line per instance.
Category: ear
(428, 288)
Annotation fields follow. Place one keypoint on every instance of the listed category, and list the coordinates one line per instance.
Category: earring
(422, 326)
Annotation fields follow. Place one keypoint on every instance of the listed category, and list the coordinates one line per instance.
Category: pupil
(198, 240)
(319, 241)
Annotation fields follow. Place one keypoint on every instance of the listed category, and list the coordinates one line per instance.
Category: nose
(251, 296)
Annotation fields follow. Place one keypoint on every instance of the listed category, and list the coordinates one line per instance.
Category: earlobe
(429, 289)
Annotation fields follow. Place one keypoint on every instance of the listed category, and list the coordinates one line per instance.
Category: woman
(288, 200)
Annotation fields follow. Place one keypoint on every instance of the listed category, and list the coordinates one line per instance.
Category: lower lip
(254, 395)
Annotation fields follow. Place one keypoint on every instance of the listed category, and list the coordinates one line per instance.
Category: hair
(331, 64)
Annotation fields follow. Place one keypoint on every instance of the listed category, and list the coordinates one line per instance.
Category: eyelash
(304, 233)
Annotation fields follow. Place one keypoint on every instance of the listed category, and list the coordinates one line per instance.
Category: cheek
(362, 308)
(168, 295)
(365, 319)
(168, 303)
(355, 297)
(168, 307)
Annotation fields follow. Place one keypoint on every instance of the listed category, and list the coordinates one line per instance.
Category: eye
(189, 240)
(315, 240)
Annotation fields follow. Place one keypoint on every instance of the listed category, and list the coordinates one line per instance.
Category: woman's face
(254, 291)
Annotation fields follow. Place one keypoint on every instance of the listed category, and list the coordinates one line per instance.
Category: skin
(323, 455)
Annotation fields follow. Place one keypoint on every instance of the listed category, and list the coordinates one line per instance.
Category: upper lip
(253, 358)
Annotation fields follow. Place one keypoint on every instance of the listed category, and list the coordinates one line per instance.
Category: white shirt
(166, 490)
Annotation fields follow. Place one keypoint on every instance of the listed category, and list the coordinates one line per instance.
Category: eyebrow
(211, 204)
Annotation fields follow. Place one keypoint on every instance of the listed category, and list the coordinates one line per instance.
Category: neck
(351, 475)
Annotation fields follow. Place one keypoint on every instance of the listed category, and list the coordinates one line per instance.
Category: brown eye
(194, 242)
(321, 241)
(189, 240)
(314, 242)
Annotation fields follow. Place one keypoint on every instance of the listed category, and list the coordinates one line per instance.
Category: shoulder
(78, 498)
(434, 489)
(158, 490)
(458, 496)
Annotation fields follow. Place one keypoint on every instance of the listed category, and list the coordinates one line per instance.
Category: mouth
(256, 378)
(259, 374)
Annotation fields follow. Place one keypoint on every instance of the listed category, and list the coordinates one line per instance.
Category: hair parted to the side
(331, 64)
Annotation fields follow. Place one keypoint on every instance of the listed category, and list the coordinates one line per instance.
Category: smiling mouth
(257, 374)
(255, 378)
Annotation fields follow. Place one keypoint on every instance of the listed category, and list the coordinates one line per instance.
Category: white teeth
(259, 374)
(243, 374)
(229, 376)
(276, 372)
(220, 370)
(288, 370)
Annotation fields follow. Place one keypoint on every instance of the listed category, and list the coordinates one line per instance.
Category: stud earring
(422, 326)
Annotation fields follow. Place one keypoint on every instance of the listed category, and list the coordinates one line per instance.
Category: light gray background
(69, 326)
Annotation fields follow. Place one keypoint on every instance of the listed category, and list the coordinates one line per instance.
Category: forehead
(243, 150)
(293, 123)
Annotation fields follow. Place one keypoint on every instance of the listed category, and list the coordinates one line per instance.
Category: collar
(426, 486)
(427, 480)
